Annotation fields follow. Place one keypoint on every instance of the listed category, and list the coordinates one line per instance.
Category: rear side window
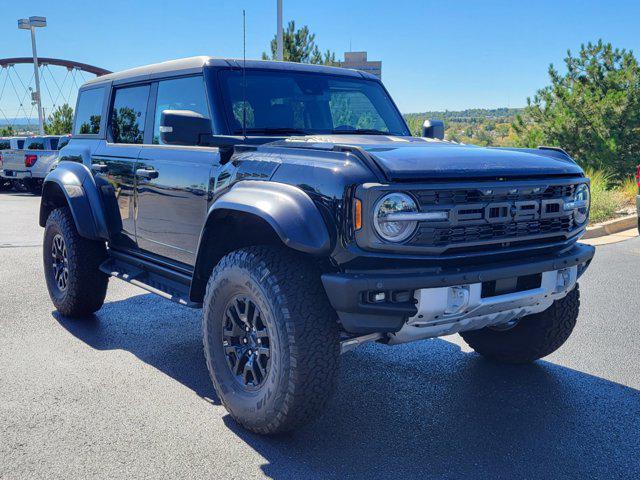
(179, 94)
(4, 145)
(20, 144)
(35, 145)
(128, 114)
(89, 112)
(54, 143)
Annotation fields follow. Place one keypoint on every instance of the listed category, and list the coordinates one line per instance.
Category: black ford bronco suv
(292, 204)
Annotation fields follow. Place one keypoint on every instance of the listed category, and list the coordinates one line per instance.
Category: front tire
(533, 337)
(271, 339)
(76, 285)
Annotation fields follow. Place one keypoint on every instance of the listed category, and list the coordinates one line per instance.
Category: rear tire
(34, 186)
(533, 337)
(295, 323)
(76, 285)
(5, 185)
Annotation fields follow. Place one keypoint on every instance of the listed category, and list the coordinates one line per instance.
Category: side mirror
(183, 127)
(433, 129)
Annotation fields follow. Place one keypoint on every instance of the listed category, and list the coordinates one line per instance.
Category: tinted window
(54, 143)
(89, 112)
(128, 114)
(37, 144)
(20, 144)
(63, 142)
(179, 94)
(4, 145)
(293, 102)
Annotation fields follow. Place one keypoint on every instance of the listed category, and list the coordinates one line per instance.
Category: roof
(194, 64)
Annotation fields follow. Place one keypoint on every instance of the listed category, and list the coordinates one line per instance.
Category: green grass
(609, 198)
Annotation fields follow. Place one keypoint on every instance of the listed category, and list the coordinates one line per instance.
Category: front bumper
(349, 292)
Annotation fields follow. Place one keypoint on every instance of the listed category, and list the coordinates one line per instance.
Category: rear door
(173, 181)
(114, 161)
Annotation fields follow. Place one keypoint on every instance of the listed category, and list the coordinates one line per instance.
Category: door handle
(98, 167)
(146, 173)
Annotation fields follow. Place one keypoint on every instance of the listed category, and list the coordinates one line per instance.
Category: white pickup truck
(33, 162)
(9, 143)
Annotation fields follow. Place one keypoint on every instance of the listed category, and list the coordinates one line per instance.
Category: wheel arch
(73, 186)
(258, 213)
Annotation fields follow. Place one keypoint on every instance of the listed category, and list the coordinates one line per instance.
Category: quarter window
(89, 112)
(179, 94)
(128, 114)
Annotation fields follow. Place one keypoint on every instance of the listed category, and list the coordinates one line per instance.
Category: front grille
(494, 217)
(434, 197)
(430, 236)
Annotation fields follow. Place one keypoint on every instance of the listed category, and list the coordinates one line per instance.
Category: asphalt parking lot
(126, 394)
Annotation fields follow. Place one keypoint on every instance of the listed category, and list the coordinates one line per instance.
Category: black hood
(413, 158)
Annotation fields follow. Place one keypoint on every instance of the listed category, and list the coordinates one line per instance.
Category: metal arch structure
(18, 98)
(5, 62)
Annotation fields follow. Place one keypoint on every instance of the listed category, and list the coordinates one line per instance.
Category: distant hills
(471, 115)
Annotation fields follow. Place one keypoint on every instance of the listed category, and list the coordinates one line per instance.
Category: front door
(113, 163)
(172, 182)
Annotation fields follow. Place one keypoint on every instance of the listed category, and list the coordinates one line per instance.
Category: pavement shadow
(422, 410)
(158, 332)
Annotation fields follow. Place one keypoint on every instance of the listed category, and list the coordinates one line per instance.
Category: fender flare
(77, 184)
(287, 209)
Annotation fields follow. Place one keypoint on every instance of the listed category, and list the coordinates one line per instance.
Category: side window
(20, 144)
(89, 112)
(63, 142)
(4, 145)
(128, 114)
(54, 143)
(179, 94)
(35, 145)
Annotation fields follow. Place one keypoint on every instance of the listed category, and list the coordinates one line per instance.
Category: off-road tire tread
(87, 284)
(312, 329)
(534, 337)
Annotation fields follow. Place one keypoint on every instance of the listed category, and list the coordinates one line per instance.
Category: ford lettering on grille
(503, 212)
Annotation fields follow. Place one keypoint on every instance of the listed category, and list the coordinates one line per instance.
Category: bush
(607, 198)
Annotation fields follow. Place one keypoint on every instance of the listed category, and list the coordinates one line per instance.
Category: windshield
(283, 103)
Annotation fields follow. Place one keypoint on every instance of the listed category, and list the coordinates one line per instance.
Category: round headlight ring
(582, 194)
(394, 203)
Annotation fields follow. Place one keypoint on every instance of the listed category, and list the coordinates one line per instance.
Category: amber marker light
(357, 214)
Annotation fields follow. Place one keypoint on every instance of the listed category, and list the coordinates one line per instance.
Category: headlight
(580, 204)
(397, 230)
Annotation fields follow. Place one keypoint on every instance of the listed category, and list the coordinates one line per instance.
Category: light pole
(32, 23)
(279, 49)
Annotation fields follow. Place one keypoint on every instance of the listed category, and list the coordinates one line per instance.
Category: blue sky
(436, 54)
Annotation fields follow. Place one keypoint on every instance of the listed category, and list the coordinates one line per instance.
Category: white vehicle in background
(33, 162)
(9, 143)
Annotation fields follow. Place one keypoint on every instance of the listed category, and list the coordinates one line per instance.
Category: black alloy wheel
(60, 262)
(246, 343)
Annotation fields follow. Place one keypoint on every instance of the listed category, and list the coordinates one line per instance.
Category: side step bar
(149, 276)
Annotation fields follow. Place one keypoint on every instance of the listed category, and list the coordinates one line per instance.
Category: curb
(612, 226)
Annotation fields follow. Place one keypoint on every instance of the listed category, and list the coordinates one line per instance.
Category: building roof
(194, 64)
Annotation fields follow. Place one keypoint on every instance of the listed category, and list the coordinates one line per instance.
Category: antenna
(244, 77)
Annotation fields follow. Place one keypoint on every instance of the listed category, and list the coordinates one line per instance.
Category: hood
(414, 158)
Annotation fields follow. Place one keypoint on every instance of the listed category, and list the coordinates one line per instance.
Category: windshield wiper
(361, 131)
(276, 131)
